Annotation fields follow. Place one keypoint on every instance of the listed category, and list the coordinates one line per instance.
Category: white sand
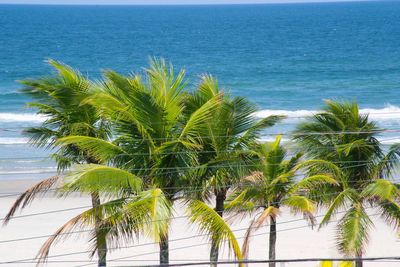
(292, 243)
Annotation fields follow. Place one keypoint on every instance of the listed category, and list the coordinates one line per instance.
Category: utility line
(178, 169)
(196, 262)
(292, 134)
(106, 228)
(47, 212)
(185, 192)
(197, 152)
(209, 243)
(364, 163)
(173, 240)
(11, 194)
(256, 116)
(207, 263)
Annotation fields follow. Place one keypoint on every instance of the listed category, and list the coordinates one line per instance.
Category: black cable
(207, 263)
(173, 240)
(197, 245)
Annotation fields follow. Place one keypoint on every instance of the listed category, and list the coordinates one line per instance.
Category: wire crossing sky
(162, 2)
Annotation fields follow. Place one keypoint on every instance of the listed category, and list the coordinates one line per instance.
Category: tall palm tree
(228, 134)
(342, 135)
(156, 138)
(58, 98)
(276, 184)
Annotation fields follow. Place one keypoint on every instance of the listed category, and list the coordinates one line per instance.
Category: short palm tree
(341, 135)
(156, 140)
(226, 139)
(58, 98)
(276, 184)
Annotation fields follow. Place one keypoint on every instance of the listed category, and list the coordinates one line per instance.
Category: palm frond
(353, 230)
(69, 226)
(390, 212)
(99, 178)
(29, 195)
(340, 201)
(211, 223)
(313, 182)
(101, 150)
(81, 221)
(240, 201)
(388, 163)
(300, 204)
(150, 211)
(254, 131)
(321, 166)
(381, 189)
(256, 224)
(197, 120)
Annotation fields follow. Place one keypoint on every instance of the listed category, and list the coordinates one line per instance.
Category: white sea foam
(289, 113)
(33, 171)
(390, 141)
(389, 112)
(13, 140)
(271, 138)
(21, 117)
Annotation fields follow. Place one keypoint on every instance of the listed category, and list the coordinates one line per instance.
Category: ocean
(285, 57)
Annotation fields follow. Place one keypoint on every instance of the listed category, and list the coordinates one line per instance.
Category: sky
(157, 2)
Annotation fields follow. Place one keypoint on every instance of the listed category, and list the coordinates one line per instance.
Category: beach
(295, 238)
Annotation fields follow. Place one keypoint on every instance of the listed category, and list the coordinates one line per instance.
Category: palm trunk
(101, 241)
(214, 251)
(272, 241)
(359, 263)
(219, 208)
(164, 250)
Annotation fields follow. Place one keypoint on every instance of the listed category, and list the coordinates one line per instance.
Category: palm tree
(156, 139)
(58, 98)
(229, 133)
(275, 184)
(341, 135)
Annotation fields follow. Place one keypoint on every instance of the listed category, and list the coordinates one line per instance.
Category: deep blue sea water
(284, 57)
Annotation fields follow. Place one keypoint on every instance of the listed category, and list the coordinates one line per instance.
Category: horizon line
(195, 4)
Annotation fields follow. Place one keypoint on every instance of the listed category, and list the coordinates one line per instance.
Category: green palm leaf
(340, 201)
(99, 178)
(210, 222)
(353, 230)
(99, 149)
(382, 189)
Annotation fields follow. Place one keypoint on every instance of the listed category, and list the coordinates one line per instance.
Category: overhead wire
(292, 134)
(209, 243)
(297, 260)
(362, 163)
(174, 240)
(101, 228)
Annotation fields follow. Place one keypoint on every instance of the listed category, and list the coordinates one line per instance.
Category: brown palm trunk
(164, 250)
(272, 241)
(359, 263)
(219, 208)
(101, 241)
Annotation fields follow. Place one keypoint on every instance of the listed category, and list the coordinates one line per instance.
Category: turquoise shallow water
(286, 58)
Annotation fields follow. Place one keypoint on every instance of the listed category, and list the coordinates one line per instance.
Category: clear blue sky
(141, 2)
